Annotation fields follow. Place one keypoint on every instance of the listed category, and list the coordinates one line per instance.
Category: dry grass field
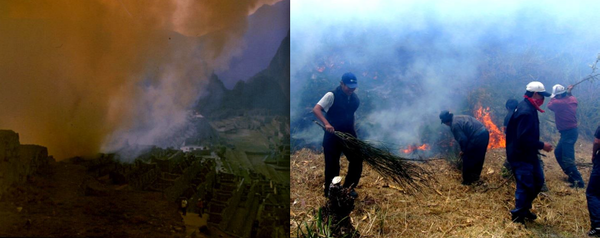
(448, 209)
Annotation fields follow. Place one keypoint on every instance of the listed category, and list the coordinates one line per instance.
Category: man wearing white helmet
(564, 106)
(522, 149)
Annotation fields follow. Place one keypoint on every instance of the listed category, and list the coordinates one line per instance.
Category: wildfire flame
(328, 63)
(412, 148)
(497, 139)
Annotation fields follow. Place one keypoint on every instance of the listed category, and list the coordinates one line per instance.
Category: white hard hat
(558, 89)
(537, 87)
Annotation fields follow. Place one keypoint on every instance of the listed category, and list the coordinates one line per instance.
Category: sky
(416, 58)
(266, 29)
(82, 77)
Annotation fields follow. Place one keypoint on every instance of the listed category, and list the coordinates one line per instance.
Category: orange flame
(497, 139)
(412, 148)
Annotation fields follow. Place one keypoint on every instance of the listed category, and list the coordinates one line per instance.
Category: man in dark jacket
(593, 190)
(522, 148)
(564, 106)
(511, 105)
(473, 139)
(339, 106)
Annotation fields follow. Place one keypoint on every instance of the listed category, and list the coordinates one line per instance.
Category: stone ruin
(18, 161)
(243, 205)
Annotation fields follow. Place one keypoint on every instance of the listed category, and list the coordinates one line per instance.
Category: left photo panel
(145, 119)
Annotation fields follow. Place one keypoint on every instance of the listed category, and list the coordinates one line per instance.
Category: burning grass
(448, 209)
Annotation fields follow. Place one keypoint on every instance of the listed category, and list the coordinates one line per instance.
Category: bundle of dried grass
(398, 169)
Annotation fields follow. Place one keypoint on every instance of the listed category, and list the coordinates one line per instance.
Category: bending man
(473, 139)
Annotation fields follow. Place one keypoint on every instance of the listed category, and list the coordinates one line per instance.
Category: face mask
(539, 102)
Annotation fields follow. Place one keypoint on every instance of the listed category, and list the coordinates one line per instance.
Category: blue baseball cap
(350, 80)
(446, 116)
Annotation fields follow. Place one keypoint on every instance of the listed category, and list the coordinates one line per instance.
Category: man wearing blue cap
(339, 106)
(522, 149)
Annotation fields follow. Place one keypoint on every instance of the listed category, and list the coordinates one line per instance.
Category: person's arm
(318, 111)
(596, 148)
(551, 104)
(569, 88)
(525, 135)
(323, 105)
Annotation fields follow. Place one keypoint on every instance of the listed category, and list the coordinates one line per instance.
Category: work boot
(577, 184)
(518, 219)
(530, 215)
(594, 232)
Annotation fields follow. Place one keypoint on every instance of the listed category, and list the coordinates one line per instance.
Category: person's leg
(538, 181)
(558, 152)
(468, 167)
(332, 151)
(568, 157)
(525, 183)
(355, 166)
(482, 142)
(592, 194)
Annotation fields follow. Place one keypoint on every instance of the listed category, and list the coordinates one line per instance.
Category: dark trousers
(565, 155)
(530, 179)
(593, 195)
(333, 149)
(474, 157)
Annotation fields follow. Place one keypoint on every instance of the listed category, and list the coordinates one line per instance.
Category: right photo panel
(444, 119)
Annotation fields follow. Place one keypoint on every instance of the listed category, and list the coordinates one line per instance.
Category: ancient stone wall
(183, 182)
(18, 161)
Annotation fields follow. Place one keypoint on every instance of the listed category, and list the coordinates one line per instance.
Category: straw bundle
(388, 165)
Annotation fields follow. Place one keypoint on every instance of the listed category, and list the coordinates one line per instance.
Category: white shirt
(326, 101)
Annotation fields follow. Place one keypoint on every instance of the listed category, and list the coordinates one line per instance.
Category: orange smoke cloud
(72, 73)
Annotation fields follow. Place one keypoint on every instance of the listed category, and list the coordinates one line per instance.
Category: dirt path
(193, 222)
(63, 200)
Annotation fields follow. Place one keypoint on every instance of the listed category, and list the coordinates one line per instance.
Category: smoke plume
(78, 76)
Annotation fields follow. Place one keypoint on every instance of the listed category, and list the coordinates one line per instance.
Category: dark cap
(350, 80)
(511, 104)
(446, 116)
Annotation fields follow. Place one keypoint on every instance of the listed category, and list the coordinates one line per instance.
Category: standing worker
(339, 106)
(564, 106)
(593, 190)
(473, 138)
(522, 149)
(200, 206)
(184, 204)
(511, 105)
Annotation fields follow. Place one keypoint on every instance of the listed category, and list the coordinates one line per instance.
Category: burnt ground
(63, 200)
